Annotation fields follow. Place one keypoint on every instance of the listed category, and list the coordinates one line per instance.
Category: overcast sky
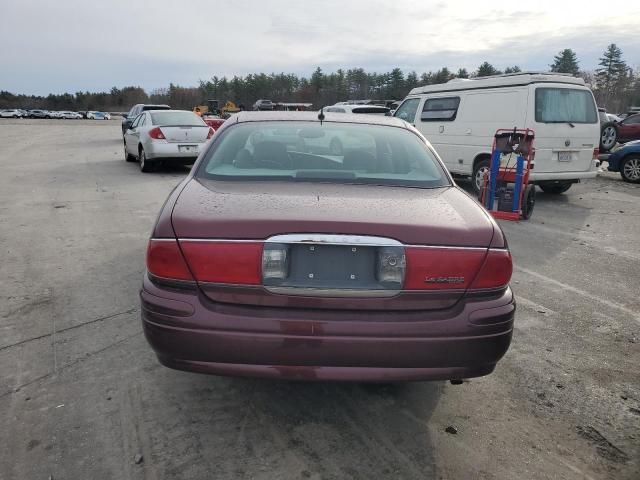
(70, 45)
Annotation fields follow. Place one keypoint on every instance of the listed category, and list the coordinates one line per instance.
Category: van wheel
(630, 169)
(556, 188)
(608, 136)
(528, 201)
(480, 170)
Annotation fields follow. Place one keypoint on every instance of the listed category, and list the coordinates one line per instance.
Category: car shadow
(285, 429)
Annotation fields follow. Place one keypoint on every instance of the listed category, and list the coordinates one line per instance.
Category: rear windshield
(176, 118)
(560, 105)
(155, 107)
(378, 110)
(332, 152)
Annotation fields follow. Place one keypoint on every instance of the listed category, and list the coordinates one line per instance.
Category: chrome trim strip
(332, 239)
(331, 292)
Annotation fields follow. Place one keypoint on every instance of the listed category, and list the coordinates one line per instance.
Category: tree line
(615, 84)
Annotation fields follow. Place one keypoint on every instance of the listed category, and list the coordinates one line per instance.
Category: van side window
(440, 109)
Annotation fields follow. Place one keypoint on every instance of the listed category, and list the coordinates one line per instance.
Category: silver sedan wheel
(608, 137)
(631, 169)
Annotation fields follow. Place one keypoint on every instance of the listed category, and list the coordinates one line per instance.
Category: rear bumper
(198, 336)
(562, 176)
(163, 150)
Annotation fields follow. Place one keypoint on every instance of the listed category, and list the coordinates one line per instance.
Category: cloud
(79, 45)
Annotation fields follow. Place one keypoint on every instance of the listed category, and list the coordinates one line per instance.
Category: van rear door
(566, 126)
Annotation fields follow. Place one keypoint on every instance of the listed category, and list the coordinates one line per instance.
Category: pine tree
(514, 69)
(565, 61)
(462, 73)
(486, 69)
(612, 74)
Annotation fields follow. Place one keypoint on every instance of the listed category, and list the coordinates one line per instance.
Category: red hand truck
(507, 193)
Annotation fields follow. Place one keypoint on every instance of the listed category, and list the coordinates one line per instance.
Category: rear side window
(632, 120)
(561, 105)
(440, 109)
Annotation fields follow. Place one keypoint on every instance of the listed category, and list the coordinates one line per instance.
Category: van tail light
(237, 263)
(211, 132)
(596, 154)
(165, 260)
(495, 272)
(442, 268)
(156, 134)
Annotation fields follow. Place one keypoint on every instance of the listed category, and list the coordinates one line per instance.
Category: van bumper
(573, 177)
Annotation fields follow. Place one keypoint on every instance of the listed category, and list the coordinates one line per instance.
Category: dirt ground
(82, 396)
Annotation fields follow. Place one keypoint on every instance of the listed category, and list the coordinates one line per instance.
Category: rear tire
(556, 188)
(630, 169)
(146, 166)
(528, 201)
(480, 169)
(608, 136)
(127, 156)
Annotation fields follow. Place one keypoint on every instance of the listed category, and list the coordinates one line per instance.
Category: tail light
(224, 262)
(165, 260)
(211, 132)
(496, 270)
(441, 268)
(156, 134)
(596, 154)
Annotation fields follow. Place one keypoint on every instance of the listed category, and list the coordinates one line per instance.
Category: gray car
(159, 137)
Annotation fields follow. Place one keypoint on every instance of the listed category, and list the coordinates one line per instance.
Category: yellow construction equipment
(213, 108)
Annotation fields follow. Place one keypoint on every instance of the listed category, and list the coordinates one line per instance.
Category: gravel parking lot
(83, 396)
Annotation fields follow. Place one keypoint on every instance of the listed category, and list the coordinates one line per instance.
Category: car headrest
(359, 160)
(272, 154)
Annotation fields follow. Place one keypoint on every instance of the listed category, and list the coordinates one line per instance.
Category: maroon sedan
(339, 248)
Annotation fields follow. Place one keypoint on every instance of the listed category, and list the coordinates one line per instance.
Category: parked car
(10, 113)
(94, 115)
(266, 261)
(629, 128)
(214, 121)
(70, 115)
(165, 136)
(263, 104)
(39, 114)
(626, 160)
(136, 110)
(358, 108)
(461, 116)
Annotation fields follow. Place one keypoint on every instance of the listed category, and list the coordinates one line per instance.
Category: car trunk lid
(334, 236)
(185, 133)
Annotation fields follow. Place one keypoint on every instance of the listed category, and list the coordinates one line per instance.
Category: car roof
(169, 110)
(282, 116)
(352, 106)
(505, 80)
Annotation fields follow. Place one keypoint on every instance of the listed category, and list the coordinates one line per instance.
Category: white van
(461, 116)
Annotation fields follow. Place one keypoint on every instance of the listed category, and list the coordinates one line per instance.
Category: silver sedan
(165, 136)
